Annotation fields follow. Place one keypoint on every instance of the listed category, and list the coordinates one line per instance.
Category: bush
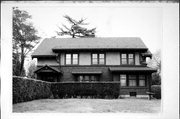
(29, 89)
(94, 90)
(157, 90)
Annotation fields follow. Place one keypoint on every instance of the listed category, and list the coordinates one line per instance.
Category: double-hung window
(98, 58)
(71, 59)
(132, 80)
(123, 59)
(131, 59)
(123, 80)
(127, 59)
(142, 80)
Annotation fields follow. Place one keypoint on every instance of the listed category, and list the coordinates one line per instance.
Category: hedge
(92, 89)
(157, 90)
(28, 89)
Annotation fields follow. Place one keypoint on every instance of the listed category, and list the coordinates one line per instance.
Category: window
(142, 79)
(123, 59)
(132, 80)
(98, 58)
(71, 59)
(68, 58)
(101, 58)
(123, 80)
(94, 59)
(127, 59)
(87, 78)
(75, 58)
(131, 59)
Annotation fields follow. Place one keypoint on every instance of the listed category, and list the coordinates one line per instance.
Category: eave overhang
(132, 69)
(47, 68)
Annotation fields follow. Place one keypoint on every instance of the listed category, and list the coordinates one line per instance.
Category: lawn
(89, 106)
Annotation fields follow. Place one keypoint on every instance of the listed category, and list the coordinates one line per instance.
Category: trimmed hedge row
(94, 90)
(29, 89)
(157, 90)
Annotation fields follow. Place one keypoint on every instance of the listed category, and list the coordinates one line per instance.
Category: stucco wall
(62, 57)
(112, 58)
(137, 62)
(84, 58)
(47, 62)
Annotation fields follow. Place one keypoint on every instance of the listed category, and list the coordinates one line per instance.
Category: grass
(89, 106)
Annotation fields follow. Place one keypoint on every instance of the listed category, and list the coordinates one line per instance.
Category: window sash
(123, 80)
(71, 59)
(142, 83)
(98, 58)
(132, 83)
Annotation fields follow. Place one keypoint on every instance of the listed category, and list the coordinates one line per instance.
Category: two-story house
(121, 59)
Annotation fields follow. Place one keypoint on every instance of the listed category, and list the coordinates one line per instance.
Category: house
(121, 59)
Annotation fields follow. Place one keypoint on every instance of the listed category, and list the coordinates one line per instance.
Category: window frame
(98, 58)
(72, 59)
(145, 80)
(125, 80)
(127, 58)
(136, 80)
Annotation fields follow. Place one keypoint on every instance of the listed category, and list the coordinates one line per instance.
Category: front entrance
(49, 76)
(47, 73)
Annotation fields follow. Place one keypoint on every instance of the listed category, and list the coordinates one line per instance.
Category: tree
(32, 67)
(155, 62)
(76, 29)
(24, 39)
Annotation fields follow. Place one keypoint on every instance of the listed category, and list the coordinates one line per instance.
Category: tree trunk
(22, 61)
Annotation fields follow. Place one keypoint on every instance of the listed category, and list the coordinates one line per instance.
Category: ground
(89, 106)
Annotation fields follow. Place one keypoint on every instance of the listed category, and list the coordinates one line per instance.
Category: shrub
(157, 90)
(94, 90)
(29, 89)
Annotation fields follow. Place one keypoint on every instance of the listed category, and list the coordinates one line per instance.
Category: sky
(110, 21)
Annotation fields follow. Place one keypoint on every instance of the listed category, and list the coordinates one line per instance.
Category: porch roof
(132, 69)
(87, 71)
(47, 68)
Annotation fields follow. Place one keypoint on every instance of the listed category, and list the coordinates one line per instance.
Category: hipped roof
(49, 45)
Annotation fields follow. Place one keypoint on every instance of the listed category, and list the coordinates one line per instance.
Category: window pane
(101, 61)
(68, 61)
(75, 58)
(131, 77)
(124, 61)
(130, 56)
(141, 82)
(75, 61)
(68, 58)
(132, 82)
(123, 80)
(94, 61)
(141, 77)
(101, 55)
(123, 55)
(94, 55)
(80, 78)
(93, 78)
(86, 78)
(131, 61)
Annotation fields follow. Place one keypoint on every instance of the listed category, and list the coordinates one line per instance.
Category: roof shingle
(48, 45)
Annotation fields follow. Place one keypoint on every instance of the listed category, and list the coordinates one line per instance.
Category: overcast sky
(110, 21)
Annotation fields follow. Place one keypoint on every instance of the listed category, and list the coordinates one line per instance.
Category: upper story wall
(47, 61)
(85, 58)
